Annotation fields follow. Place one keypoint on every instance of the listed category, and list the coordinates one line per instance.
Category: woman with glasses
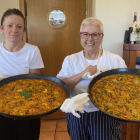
(93, 124)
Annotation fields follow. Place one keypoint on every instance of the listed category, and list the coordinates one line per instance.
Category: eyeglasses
(86, 35)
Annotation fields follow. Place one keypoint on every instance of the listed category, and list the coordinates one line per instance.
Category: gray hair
(94, 22)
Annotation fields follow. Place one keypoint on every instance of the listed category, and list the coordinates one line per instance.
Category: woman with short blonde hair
(93, 124)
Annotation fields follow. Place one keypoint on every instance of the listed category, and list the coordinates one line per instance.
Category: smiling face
(90, 44)
(13, 28)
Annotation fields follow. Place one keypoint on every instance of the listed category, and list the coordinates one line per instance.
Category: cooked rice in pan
(30, 96)
(118, 95)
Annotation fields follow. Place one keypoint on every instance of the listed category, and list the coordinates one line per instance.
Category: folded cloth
(75, 104)
(1, 77)
(88, 76)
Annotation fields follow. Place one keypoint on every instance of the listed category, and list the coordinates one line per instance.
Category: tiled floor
(54, 130)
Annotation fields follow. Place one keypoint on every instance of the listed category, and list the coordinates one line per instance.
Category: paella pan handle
(88, 76)
(97, 73)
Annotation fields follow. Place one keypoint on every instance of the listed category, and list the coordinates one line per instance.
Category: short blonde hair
(94, 22)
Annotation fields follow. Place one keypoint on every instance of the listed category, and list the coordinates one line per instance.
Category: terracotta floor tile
(61, 125)
(48, 126)
(62, 136)
(47, 135)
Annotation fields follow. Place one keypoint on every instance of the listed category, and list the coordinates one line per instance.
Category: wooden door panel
(55, 43)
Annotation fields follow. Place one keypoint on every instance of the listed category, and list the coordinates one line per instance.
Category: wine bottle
(135, 17)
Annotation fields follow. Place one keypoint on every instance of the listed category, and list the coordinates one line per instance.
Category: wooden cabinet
(130, 131)
(130, 52)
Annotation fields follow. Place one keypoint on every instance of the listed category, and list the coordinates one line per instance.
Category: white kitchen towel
(75, 104)
(1, 77)
(88, 76)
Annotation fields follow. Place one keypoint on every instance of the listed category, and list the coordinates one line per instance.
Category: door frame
(22, 9)
(89, 7)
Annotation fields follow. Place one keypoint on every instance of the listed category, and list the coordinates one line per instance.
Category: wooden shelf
(131, 47)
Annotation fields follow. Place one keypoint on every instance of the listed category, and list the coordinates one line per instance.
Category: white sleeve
(66, 70)
(118, 62)
(36, 61)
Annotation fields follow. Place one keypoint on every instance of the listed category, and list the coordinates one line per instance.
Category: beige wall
(4, 5)
(116, 16)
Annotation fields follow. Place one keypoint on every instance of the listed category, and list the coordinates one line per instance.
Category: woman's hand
(73, 80)
(91, 69)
